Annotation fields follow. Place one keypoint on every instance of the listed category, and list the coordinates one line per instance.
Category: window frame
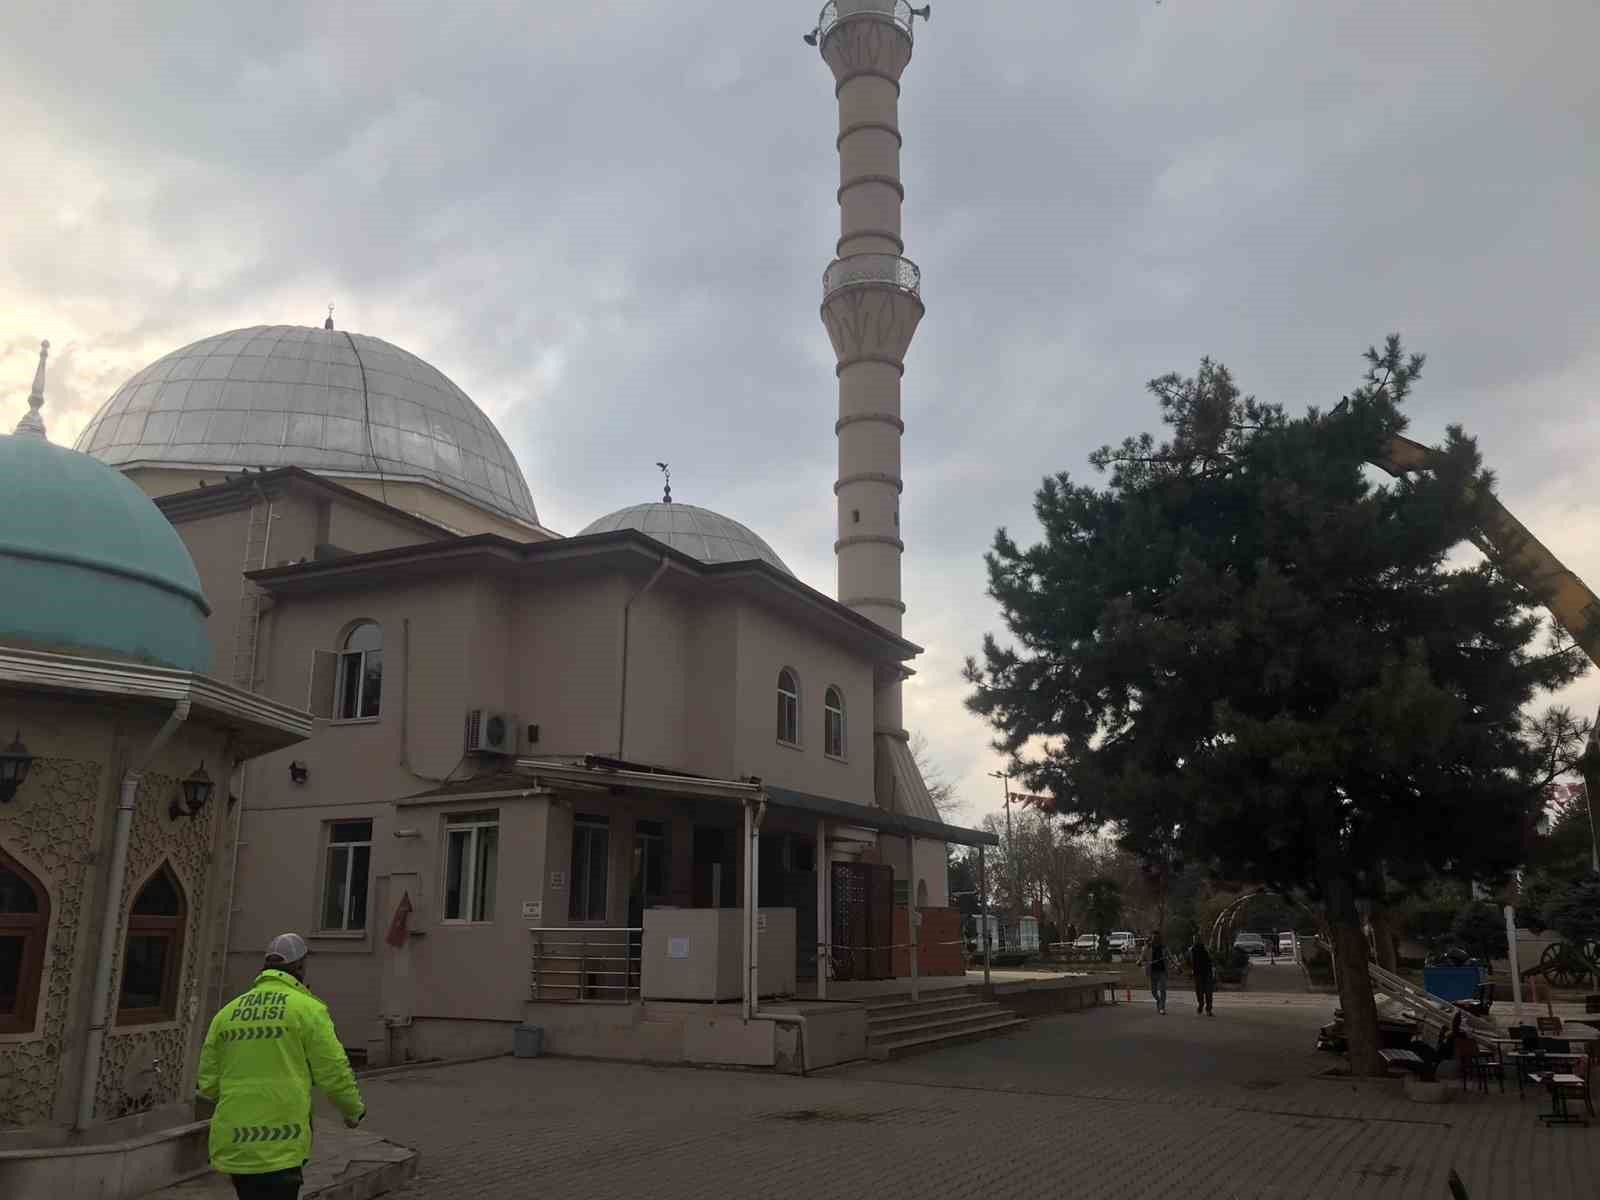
(34, 930)
(790, 695)
(832, 704)
(590, 822)
(171, 930)
(328, 847)
(345, 658)
(472, 824)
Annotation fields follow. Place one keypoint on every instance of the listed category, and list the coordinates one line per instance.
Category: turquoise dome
(90, 565)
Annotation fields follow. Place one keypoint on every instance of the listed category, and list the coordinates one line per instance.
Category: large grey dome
(329, 401)
(697, 532)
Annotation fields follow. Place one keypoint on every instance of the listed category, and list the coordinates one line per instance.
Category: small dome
(289, 396)
(697, 532)
(91, 566)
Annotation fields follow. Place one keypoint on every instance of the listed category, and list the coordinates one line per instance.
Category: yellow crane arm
(1519, 554)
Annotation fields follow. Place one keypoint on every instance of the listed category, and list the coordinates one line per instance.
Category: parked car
(1087, 943)
(1123, 942)
(1286, 943)
(1252, 944)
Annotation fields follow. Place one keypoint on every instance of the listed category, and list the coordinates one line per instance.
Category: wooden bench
(1406, 1060)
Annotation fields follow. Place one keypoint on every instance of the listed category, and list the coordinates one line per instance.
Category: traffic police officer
(263, 1053)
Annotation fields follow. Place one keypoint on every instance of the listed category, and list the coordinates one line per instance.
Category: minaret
(871, 306)
(32, 424)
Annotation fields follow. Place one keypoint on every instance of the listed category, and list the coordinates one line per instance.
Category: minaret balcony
(872, 270)
(898, 11)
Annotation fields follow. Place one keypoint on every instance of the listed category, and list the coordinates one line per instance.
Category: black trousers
(271, 1185)
(1205, 986)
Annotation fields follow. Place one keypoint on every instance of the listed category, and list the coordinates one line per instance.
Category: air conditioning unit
(490, 732)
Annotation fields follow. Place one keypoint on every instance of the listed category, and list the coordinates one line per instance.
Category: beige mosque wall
(459, 516)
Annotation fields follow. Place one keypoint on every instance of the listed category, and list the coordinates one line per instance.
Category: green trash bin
(527, 1041)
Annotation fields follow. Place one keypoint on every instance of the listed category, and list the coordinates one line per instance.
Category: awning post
(983, 933)
(824, 925)
(913, 918)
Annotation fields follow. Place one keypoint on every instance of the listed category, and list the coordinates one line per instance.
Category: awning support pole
(983, 934)
(913, 917)
(824, 925)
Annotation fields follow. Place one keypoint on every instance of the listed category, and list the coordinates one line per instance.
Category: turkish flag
(397, 926)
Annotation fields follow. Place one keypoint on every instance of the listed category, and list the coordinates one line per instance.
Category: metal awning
(594, 774)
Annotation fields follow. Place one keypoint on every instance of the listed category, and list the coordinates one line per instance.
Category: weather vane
(666, 491)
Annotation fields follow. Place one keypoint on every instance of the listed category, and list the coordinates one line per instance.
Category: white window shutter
(324, 679)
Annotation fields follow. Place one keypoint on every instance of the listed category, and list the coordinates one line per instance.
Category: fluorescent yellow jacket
(263, 1052)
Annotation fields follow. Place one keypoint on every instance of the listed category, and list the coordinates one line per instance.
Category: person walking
(1158, 972)
(263, 1053)
(1205, 977)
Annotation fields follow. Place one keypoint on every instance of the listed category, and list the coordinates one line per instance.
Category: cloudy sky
(607, 222)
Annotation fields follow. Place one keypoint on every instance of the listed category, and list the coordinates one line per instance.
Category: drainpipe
(100, 999)
(824, 925)
(622, 686)
(754, 810)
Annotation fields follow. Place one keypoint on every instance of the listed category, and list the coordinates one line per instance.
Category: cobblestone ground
(1112, 1102)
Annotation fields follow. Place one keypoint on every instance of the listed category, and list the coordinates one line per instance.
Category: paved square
(1111, 1102)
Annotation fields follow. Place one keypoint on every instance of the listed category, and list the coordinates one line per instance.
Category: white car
(1086, 943)
(1123, 941)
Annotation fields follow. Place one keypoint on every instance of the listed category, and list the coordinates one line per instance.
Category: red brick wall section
(939, 925)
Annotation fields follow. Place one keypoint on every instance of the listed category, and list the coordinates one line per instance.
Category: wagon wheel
(1563, 964)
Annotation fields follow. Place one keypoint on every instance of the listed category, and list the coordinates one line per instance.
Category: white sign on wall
(678, 947)
(558, 880)
(533, 910)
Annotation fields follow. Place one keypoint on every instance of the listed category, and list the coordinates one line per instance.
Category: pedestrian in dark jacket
(1205, 977)
(1158, 973)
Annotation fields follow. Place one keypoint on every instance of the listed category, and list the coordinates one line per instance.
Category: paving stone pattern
(1116, 1102)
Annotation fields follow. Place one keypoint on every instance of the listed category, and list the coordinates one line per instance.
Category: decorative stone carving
(129, 1080)
(871, 321)
(50, 826)
(874, 42)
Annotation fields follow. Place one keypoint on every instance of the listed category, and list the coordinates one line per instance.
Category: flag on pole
(397, 926)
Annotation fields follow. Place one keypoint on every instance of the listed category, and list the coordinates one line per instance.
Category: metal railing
(898, 11)
(583, 965)
(872, 270)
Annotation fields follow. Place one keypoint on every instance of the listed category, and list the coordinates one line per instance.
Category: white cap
(286, 949)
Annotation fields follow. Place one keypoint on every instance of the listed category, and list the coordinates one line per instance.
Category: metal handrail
(871, 270)
(898, 11)
(595, 949)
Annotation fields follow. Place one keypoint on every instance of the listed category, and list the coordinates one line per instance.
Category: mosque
(497, 775)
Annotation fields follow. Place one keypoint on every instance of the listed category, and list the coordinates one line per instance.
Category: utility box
(698, 953)
(527, 1041)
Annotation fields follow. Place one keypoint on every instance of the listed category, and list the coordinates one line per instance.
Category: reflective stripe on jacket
(262, 1054)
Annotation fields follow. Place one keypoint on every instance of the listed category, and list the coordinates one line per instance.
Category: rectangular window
(11, 947)
(344, 876)
(789, 718)
(834, 734)
(649, 863)
(591, 850)
(471, 854)
(144, 974)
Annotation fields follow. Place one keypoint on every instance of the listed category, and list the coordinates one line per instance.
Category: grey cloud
(607, 223)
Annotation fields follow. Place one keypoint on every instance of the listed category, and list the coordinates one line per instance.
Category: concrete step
(898, 1018)
(908, 1043)
(933, 1023)
(876, 1004)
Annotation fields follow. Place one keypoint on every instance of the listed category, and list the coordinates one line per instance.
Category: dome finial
(666, 491)
(32, 424)
(328, 324)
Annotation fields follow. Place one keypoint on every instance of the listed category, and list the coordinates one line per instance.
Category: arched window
(24, 921)
(360, 672)
(833, 723)
(788, 707)
(153, 953)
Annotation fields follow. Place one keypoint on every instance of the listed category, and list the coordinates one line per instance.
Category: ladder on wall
(257, 536)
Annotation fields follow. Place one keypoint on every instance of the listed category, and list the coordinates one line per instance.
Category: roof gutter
(622, 682)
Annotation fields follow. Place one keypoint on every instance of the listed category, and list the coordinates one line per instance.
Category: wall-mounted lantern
(299, 772)
(196, 794)
(14, 763)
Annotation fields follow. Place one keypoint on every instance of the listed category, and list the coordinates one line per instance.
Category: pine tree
(1246, 648)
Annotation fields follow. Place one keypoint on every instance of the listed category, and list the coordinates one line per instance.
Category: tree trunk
(1355, 982)
(1384, 933)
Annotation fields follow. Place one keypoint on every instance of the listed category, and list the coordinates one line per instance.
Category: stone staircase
(898, 1025)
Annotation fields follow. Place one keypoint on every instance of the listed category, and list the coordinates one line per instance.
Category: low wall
(109, 1171)
(940, 941)
(1039, 997)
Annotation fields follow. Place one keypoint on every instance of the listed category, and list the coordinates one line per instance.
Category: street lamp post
(1011, 851)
